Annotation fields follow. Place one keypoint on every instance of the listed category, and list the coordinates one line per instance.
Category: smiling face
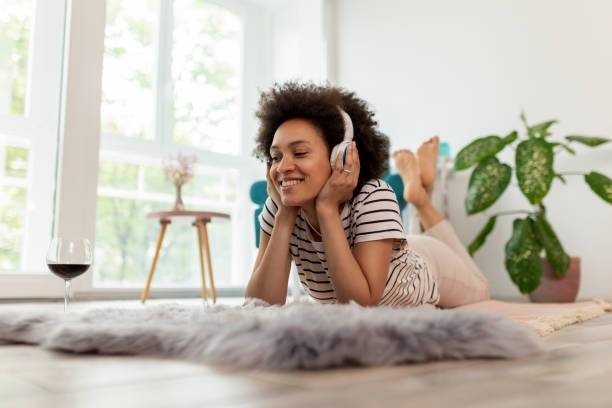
(300, 162)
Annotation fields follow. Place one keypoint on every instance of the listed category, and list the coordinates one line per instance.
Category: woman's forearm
(270, 275)
(346, 275)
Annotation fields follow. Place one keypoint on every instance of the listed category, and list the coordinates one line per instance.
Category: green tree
(12, 204)
(11, 226)
(202, 71)
(15, 29)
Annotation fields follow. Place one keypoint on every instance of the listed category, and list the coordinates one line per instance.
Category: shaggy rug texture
(298, 335)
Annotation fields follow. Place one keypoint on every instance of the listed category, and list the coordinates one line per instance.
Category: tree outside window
(171, 81)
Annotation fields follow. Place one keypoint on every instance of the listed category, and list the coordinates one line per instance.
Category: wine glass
(69, 258)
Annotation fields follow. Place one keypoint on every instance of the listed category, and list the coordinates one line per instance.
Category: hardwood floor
(575, 371)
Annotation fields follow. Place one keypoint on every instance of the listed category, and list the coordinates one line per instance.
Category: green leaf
(478, 150)
(563, 146)
(555, 253)
(534, 168)
(487, 183)
(530, 132)
(523, 261)
(541, 129)
(600, 184)
(511, 137)
(568, 149)
(482, 236)
(560, 177)
(591, 141)
(524, 120)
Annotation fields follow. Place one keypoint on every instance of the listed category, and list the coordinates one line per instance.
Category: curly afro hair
(319, 105)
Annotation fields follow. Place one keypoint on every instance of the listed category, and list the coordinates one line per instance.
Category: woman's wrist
(325, 212)
(286, 214)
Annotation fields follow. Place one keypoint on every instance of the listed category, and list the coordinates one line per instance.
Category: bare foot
(427, 155)
(408, 169)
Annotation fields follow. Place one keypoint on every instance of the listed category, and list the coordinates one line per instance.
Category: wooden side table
(198, 219)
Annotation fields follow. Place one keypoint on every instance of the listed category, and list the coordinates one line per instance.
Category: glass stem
(67, 296)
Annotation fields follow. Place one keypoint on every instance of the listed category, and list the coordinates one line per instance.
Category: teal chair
(395, 181)
(258, 194)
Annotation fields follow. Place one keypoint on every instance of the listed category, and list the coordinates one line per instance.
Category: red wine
(68, 271)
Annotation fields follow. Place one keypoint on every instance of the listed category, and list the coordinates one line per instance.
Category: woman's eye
(300, 154)
(274, 159)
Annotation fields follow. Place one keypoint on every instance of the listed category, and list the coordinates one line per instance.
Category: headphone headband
(348, 126)
(340, 148)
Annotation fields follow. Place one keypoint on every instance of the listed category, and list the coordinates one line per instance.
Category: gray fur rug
(298, 335)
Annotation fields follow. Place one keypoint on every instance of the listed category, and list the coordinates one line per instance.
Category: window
(172, 81)
(130, 188)
(176, 77)
(206, 76)
(14, 187)
(128, 103)
(15, 33)
(31, 43)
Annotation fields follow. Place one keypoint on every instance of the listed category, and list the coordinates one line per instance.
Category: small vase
(178, 201)
(558, 290)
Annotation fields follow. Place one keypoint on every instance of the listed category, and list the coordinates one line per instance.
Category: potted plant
(532, 233)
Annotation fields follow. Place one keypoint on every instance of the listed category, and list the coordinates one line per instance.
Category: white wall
(298, 40)
(463, 69)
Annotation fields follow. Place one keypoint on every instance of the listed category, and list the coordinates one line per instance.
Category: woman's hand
(341, 183)
(274, 193)
(271, 187)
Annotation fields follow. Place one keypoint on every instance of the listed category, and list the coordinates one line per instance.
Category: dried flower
(179, 170)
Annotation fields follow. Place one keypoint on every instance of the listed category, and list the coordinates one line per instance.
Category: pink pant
(460, 281)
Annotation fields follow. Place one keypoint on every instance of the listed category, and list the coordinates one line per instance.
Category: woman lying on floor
(340, 223)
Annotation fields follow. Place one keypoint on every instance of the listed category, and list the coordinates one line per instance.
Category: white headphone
(348, 139)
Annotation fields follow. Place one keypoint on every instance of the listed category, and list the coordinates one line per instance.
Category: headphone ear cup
(339, 149)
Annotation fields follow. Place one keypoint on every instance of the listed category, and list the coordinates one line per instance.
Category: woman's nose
(285, 164)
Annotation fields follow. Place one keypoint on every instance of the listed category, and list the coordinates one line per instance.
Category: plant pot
(558, 290)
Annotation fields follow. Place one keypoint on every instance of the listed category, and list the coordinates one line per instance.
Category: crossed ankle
(424, 207)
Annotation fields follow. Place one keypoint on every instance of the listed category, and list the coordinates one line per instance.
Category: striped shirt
(371, 215)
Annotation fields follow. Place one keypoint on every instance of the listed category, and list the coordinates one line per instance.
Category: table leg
(209, 262)
(160, 238)
(198, 225)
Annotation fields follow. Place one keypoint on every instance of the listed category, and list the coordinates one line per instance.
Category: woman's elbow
(372, 302)
(270, 299)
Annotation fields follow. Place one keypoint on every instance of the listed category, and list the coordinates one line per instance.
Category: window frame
(38, 129)
(80, 145)
(162, 145)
